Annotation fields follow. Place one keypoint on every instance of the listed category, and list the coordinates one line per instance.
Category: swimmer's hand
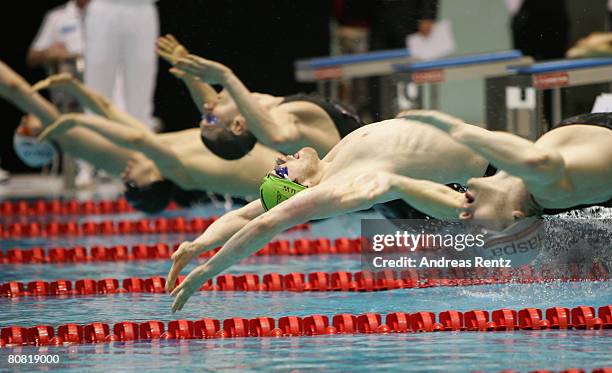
(190, 285)
(208, 71)
(438, 119)
(170, 49)
(185, 253)
(59, 127)
(61, 80)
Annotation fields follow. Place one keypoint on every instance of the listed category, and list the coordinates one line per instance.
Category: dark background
(259, 40)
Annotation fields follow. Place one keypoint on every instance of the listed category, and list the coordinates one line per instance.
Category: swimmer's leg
(79, 142)
(15, 89)
(122, 136)
(92, 100)
(96, 150)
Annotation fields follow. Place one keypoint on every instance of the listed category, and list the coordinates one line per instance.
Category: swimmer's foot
(5, 176)
(62, 80)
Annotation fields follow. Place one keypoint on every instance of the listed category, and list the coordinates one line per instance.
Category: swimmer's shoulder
(304, 112)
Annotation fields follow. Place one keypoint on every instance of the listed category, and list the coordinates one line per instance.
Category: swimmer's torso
(240, 177)
(203, 170)
(404, 147)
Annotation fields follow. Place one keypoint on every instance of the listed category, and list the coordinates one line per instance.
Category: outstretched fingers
(175, 270)
(181, 257)
(166, 43)
(170, 49)
(166, 56)
(181, 293)
(171, 38)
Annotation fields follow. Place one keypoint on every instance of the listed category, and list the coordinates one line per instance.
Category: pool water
(431, 352)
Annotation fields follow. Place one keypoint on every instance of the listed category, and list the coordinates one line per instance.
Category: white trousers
(120, 41)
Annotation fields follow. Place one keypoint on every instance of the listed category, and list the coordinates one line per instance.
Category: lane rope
(362, 281)
(580, 318)
(108, 227)
(69, 207)
(163, 251)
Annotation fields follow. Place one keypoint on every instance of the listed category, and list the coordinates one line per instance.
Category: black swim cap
(151, 198)
(225, 144)
(187, 198)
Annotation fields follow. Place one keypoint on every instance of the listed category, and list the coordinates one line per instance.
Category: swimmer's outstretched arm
(90, 99)
(511, 153)
(201, 93)
(433, 199)
(214, 236)
(171, 50)
(124, 136)
(17, 90)
(273, 131)
(316, 202)
(321, 201)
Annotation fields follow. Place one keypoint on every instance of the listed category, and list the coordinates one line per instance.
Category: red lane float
(237, 327)
(506, 319)
(67, 207)
(108, 227)
(98, 253)
(317, 281)
(206, 328)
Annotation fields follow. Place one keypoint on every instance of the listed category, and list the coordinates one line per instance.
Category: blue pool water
(441, 352)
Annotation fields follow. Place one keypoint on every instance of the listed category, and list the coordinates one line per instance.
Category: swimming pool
(521, 350)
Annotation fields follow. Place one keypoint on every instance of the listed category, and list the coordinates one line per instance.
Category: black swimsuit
(154, 197)
(594, 119)
(344, 120)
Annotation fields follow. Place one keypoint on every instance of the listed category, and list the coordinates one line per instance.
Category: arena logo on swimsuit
(275, 190)
(280, 197)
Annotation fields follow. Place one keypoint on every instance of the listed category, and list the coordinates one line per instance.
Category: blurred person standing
(120, 39)
(60, 37)
(59, 47)
(385, 24)
(609, 25)
(351, 20)
(540, 29)
(392, 21)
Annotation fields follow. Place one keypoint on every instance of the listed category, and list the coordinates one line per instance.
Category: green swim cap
(274, 190)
